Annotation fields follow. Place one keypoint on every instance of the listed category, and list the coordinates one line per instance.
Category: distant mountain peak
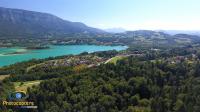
(17, 22)
(115, 30)
(174, 32)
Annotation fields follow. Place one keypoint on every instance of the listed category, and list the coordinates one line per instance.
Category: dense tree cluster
(5, 89)
(130, 85)
(148, 79)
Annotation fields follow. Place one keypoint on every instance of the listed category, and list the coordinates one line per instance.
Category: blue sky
(128, 14)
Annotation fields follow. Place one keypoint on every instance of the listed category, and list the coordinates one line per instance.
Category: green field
(22, 86)
(115, 59)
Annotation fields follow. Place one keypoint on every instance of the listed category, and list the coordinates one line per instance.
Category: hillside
(16, 22)
(144, 80)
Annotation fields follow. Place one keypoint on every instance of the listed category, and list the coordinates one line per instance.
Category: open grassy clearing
(115, 59)
(22, 86)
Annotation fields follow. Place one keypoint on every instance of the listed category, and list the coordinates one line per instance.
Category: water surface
(16, 54)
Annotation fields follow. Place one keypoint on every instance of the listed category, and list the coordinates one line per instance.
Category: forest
(132, 85)
(142, 56)
(147, 78)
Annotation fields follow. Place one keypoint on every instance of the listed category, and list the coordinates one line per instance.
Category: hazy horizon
(126, 14)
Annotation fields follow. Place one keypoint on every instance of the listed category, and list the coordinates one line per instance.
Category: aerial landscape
(99, 56)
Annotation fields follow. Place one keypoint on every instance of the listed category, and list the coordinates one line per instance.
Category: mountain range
(174, 32)
(17, 22)
(115, 30)
(23, 23)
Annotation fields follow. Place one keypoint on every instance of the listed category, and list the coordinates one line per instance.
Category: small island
(14, 53)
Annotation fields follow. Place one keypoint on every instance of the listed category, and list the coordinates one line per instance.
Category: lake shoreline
(19, 54)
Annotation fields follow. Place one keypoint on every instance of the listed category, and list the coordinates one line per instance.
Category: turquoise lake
(8, 56)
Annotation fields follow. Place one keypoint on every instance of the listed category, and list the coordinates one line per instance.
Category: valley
(142, 72)
(65, 66)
